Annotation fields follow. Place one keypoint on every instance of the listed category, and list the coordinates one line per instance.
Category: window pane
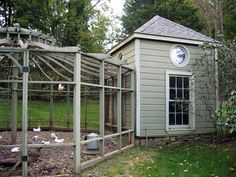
(172, 94)
(178, 107)
(172, 82)
(178, 119)
(186, 82)
(171, 107)
(186, 94)
(179, 82)
(185, 107)
(185, 119)
(179, 94)
(171, 119)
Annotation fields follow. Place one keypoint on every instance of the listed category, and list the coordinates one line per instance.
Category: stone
(172, 138)
(166, 139)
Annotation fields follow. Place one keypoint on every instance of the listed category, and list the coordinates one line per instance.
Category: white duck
(53, 135)
(37, 129)
(45, 142)
(15, 149)
(60, 87)
(59, 140)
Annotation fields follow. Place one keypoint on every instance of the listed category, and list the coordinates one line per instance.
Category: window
(179, 55)
(120, 56)
(180, 100)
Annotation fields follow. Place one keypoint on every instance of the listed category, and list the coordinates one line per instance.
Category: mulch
(48, 161)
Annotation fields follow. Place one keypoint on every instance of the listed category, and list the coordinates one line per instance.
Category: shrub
(226, 116)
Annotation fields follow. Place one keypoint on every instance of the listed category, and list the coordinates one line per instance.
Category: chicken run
(61, 110)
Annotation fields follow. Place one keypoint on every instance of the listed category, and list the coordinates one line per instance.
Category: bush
(226, 116)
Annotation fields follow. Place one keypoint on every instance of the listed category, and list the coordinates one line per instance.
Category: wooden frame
(76, 83)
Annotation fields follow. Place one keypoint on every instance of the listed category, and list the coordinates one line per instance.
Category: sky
(117, 6)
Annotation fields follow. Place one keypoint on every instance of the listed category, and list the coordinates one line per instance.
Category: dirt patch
(48, 161)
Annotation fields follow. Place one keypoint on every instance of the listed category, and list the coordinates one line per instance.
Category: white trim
(186, 52)
(191, 125)
(154, 37)
(137, 65)
(117, 46)
(166, 38)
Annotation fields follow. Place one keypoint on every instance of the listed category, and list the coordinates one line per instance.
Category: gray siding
(128, 53)
(154, 61)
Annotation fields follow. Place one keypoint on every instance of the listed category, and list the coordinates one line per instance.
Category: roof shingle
(163, 27)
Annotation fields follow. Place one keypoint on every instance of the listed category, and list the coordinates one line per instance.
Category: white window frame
(120, 56)
(186, 52)
(191, 125)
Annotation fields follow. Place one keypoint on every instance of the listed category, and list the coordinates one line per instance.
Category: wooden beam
(56, 71)
(102, 108)
(119, 106)
(24, 143)
(132, 101)
(77, 100)
(14, 103)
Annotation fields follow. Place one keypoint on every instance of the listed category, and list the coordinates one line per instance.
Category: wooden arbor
(34, 60)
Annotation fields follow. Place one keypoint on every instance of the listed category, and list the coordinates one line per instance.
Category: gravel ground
(49, 161)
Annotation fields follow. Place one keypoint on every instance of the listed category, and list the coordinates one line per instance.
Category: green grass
(188, 160)
(39, 113)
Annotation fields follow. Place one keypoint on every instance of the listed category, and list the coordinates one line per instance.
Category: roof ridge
(148, 23)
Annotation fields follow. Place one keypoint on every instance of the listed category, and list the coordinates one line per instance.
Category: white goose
(59, 140)
(37, 129)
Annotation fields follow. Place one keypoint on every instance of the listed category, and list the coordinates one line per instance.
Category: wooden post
(119, 95)
(14, 101)
(85, 111)
(24, 146)
(51, 106)
(77, 73)
(132, 101)
(68, 106)
(101, 109)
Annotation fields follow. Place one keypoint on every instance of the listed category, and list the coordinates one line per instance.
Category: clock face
(179, 56)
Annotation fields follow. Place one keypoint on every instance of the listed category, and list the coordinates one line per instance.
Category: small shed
(173, 78)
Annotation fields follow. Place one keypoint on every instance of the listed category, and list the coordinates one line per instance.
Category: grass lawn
(39, 113)
(188, 160)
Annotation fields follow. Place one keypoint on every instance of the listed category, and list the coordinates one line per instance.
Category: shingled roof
(160, 26)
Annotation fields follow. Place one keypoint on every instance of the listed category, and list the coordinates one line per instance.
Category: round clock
(179, 55)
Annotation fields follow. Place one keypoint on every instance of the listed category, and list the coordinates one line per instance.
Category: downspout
(216, 79)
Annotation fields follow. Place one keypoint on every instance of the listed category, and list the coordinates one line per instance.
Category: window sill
(180, 131)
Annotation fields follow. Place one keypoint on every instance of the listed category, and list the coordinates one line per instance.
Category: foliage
(229, 19)
(226, 66)
(137, 12)
(226, 116)
(194, 160)
(223, 118)
(71, 22)
(220, 16)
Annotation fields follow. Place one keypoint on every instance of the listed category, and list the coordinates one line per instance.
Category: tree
(71, 22)
(184, 12)
(229, 11)
(220, 16)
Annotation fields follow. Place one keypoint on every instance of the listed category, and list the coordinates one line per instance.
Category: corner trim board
(137, 66)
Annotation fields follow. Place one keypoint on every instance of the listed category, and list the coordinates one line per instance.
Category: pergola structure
(34, 60)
